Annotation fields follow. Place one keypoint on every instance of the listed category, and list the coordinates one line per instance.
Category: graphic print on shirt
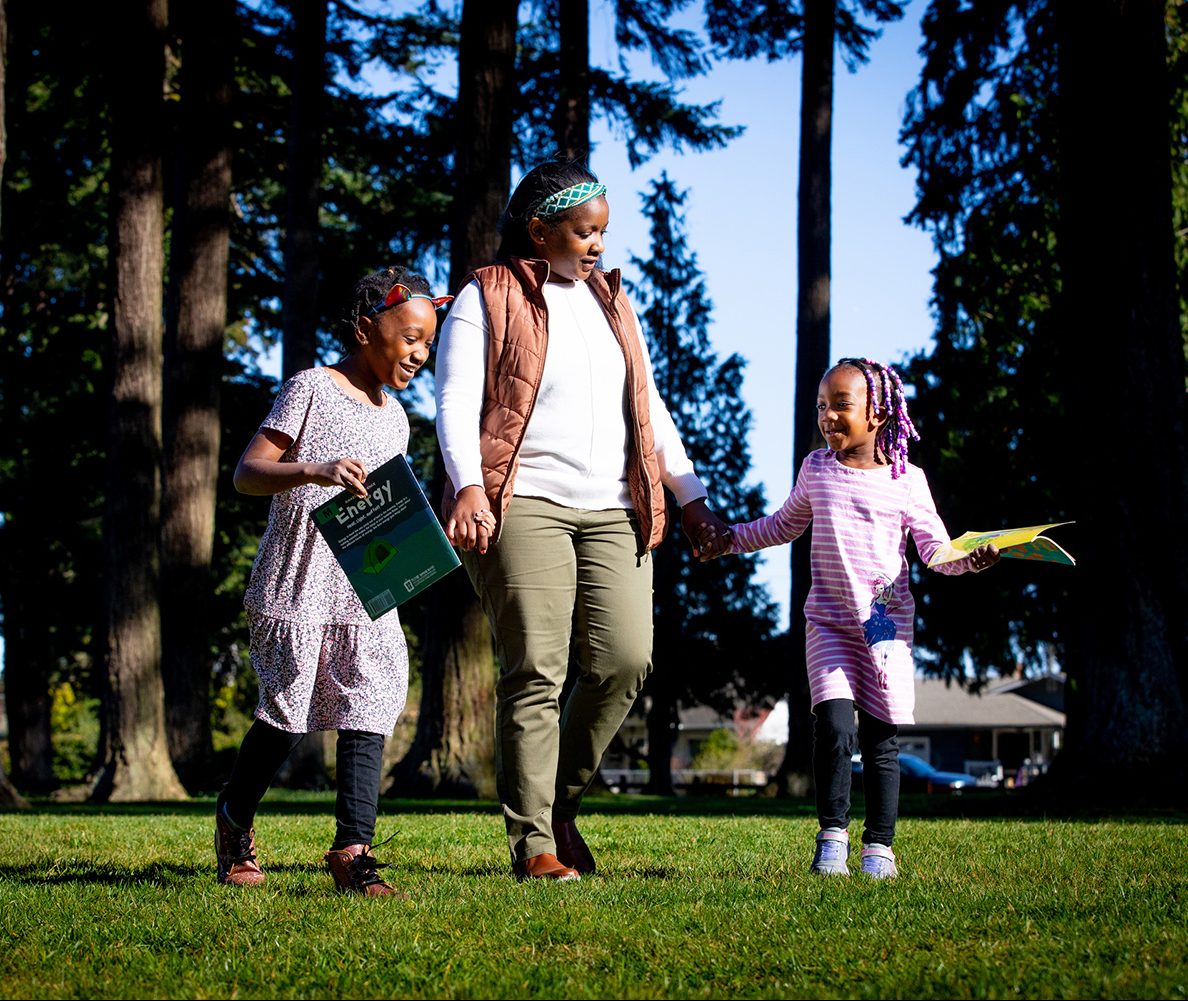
(879, 629)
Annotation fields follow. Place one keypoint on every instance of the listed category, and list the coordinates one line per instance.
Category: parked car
(917, 775)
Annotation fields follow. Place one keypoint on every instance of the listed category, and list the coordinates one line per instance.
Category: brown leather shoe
(572, 849)
(235, 852)
(354, 871)
(544, 866)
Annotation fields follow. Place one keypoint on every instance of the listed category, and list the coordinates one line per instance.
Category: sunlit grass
(696, 899)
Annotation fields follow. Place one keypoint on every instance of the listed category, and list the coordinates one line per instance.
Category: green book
(389, 543)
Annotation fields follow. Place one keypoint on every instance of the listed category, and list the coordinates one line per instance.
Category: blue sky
(741, 223)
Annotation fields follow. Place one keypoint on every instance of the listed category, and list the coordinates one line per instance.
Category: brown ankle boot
(354, 871)
(235, 852)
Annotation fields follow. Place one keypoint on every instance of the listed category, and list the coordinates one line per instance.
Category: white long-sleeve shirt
(576, 444)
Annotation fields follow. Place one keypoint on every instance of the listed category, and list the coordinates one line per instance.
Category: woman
(549, 420)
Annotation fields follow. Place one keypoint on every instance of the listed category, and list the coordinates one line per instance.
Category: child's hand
(350, 474)
(708, 534)
(983, 557)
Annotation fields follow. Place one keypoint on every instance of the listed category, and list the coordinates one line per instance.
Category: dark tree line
(170, 217)
(1050, 142)
(269, 176)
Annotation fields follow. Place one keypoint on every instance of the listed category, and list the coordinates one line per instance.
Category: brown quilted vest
(519, 335)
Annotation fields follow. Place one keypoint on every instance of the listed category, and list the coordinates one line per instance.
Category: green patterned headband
(567, 198)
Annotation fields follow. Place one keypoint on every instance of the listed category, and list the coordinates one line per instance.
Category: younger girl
(323, 664)
(863, 498)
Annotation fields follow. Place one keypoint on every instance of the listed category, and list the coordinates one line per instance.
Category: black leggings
(833, 742)
(360, 761)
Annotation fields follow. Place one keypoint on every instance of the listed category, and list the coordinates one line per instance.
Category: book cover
(1013, 543)
(390, 543)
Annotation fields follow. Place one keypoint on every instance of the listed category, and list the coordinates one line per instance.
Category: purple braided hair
(885, 395)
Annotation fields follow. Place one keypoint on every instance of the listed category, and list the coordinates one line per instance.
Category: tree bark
(572, 114)
(454, 746)
(303, 169)
(193, 363)
(8, 794)
(812, 347)
(136, 763)
(1127, 737)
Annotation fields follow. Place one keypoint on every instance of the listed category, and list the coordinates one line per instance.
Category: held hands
(347, 473)
(471, 523)
(707, 533)
(983, 557)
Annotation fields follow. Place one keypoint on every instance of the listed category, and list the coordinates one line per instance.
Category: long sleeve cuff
(686, 488)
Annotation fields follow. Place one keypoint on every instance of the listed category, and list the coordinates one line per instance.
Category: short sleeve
(291, 406)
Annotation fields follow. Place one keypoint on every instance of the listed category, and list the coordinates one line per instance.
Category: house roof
(941, 705)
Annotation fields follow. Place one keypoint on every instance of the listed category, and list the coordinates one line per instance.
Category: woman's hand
(707, 533)
(471, 523)
(983, 557)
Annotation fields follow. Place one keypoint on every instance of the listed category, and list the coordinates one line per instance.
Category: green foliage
(646, 115)
(981, 132)
(720, 750)
(52, 387)
(75, 724)
(711, 618)
(742, 30)
(707, 901)
(723, 751)
(1177, 35)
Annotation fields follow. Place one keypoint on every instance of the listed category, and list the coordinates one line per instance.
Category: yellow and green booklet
(1014, 543)
(389, 544)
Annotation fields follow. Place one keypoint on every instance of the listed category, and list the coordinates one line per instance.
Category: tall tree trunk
(193, 357)
(136, 763)
(454, 746)
(572, 115)
(306, 767)
(812, 347)
(8, 795)
(1128, 643)
(663, 728)
(303, 170)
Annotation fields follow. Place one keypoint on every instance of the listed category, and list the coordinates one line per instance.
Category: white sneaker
(833, 848)
(878, 862)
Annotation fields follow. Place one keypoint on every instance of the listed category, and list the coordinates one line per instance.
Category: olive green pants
(556, 571)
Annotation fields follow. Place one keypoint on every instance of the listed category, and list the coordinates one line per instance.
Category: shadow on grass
(1030, 803)
(53, 871)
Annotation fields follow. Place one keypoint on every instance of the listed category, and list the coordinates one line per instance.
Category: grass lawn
(696, 898)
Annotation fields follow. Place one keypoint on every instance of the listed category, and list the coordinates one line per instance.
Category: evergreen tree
(1044, 177)
(812, 28)
(559, 91)
(454, 743)
(135, 753)
(8, 793)
(710, 618)
(195, 332)
(981, 131)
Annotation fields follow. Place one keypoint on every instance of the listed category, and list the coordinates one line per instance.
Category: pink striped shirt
(859, 610)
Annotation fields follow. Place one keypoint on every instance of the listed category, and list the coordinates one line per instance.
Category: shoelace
(363, 870)
(830, 849)
(244, 851)
(237, 843)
